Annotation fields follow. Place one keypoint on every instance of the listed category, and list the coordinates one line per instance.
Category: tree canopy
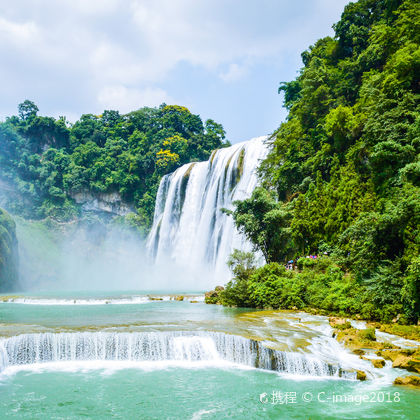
(48, 160)
(343, 171)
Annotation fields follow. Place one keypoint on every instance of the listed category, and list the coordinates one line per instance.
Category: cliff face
(102, 202)
(8, 253)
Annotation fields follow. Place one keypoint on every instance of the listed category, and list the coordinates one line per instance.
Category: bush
(242, 265)
(367, 334)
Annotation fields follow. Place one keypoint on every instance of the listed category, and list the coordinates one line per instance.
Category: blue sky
(223, 59)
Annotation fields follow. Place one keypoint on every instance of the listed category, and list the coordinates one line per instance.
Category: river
(146, 355)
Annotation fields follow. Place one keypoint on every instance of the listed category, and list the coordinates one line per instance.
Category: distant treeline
(47, 160)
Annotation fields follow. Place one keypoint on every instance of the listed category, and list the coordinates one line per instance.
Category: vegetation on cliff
(343, 174)
(8, 253)
(48, 160)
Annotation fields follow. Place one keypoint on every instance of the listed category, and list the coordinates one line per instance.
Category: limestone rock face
(102, 202)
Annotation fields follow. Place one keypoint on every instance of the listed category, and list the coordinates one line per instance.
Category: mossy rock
(378, 363)
(411, 332)
(402, 358)
(389, 354)
(9, 298)
(353, 340)
(411, 380)
(410, 363)
(360, 375)
(367, 335)
(339, 323)
(213, 297)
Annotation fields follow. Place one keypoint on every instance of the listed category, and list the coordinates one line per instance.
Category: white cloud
(93, 7)
(18, 33)
(233, 73)
(82, 55)
(128, 99)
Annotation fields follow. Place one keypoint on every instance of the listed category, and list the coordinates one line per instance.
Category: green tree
(27, 110)
(265, 223)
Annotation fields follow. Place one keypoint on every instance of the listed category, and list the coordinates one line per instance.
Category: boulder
(388, 354)
(408, 380)
(378, 363)
(411, 363)
(212, 297)
(339, 323)
(402, 358)
(361, 376)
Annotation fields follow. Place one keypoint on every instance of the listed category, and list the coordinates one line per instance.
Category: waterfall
(4, 359)
(189, 226)
(28, 349)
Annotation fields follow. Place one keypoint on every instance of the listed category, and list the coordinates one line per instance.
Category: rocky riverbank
(365, 343)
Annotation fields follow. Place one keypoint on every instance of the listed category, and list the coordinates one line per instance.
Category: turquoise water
(196, 383)
(176, 393)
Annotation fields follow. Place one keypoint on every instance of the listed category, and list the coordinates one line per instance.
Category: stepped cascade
(173, 346)
(189, 225)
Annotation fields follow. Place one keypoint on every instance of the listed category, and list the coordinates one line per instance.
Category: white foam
(131, 300)
(396, 340)
(108, 367)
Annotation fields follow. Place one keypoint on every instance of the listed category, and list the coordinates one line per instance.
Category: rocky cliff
(102, 202)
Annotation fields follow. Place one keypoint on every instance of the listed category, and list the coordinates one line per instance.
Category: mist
(95, 256)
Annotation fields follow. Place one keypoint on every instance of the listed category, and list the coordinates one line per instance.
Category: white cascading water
(189, 225)
(28, 349)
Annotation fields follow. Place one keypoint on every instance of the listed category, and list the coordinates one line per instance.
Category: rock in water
(361, 376)
(408, 380)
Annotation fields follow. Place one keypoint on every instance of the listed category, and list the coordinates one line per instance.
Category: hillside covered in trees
(8, 252)
(342, 180)
(47, 160)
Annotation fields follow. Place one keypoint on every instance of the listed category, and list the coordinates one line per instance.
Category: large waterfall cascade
(28, 349)
(189, 225)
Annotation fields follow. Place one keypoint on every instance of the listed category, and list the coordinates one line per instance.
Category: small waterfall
(4, 359)
(189, 226)
(158, 346)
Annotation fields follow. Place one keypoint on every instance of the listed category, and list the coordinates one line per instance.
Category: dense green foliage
(49, 160)
(343, 174)
(8, 252)
(320, 284)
